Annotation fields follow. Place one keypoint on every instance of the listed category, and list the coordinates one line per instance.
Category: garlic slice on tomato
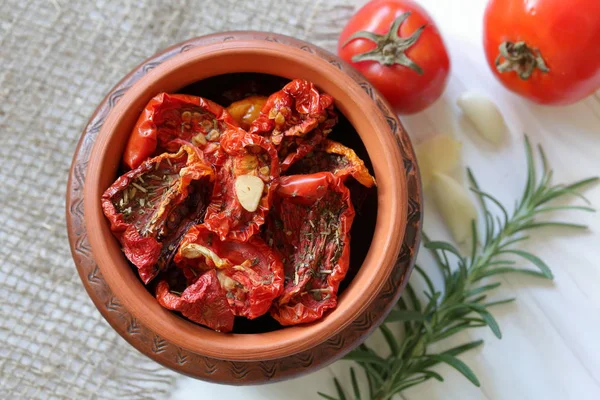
(249, 189)
(455, 206)
(484, 114)
(194, 250)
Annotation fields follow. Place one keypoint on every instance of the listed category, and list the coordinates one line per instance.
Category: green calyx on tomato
(521, 58)
(391, 48)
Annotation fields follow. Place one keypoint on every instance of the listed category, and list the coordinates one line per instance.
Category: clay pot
(268, 354)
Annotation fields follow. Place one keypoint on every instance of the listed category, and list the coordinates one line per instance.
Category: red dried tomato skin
(265, 280)
(167, 299)
(251, 273)
(305, 145)
(147, 206)
(310, 225)
(167, 117)
(304, 189)
(207, 298)
(246, 110)
(295, 119)
(246, 154)
(203, 302)
(336, 158)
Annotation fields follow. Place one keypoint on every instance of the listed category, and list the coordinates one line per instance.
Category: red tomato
(396, 45)
(545, 50)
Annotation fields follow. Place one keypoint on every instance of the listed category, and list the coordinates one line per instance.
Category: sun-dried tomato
(245, 111)
(295, 119)
(151, 207)
(251, 273)
(336, 158)
(310, 226)
(247, 155)
(177, 116)
(204, 302)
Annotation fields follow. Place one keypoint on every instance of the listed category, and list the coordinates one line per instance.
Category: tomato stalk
(521, 58)
(391, 48)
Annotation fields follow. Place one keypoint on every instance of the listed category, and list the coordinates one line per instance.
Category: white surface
(551, 348)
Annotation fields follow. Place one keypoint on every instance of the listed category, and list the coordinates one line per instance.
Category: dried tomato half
(249, 158)
(246, 111)
(295, 119)
(251, 273)
(204, 302)
(336, 158)
(310, 226)
(151, 207)
(177, 116)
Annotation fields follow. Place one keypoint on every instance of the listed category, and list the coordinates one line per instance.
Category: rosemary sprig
(461, 304)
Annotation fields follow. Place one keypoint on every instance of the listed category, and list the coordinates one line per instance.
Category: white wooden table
(551, 344)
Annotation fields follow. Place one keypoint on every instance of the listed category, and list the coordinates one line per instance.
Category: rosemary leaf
(482, 289)
(365, 357)
(499, 302)
(325, 396)
(463, 348)
(354, 384)
(493, 200)
(459, 366)
(431, 374)
(339, 389)
(544, 269)
(556, 224)
(389, 338)
(565, 208)
(507, 270)
(445, 247)
(413, 297)
(455, 351)
(426, 279)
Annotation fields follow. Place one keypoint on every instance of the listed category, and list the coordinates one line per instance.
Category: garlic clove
(455, 206)
(484, 115)
(249, 190)
(440, 153)
(194, 250)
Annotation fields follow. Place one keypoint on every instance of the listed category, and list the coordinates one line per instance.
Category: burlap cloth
(57, 61)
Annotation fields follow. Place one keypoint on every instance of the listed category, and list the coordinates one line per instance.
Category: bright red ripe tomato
(545, 50)
(396, 45)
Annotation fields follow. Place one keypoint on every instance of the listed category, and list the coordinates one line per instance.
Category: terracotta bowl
(385, 238)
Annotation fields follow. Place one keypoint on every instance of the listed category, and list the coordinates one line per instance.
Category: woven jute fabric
(58, 59)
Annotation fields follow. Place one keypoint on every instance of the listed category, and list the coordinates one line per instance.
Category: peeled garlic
(440, 153)
(455, 205)
(199, 140)
(484, 114)
(225, 281)
(194, 250)
(249, 189)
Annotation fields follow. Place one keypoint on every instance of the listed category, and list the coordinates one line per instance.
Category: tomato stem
(521, 58)
(391, 48)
